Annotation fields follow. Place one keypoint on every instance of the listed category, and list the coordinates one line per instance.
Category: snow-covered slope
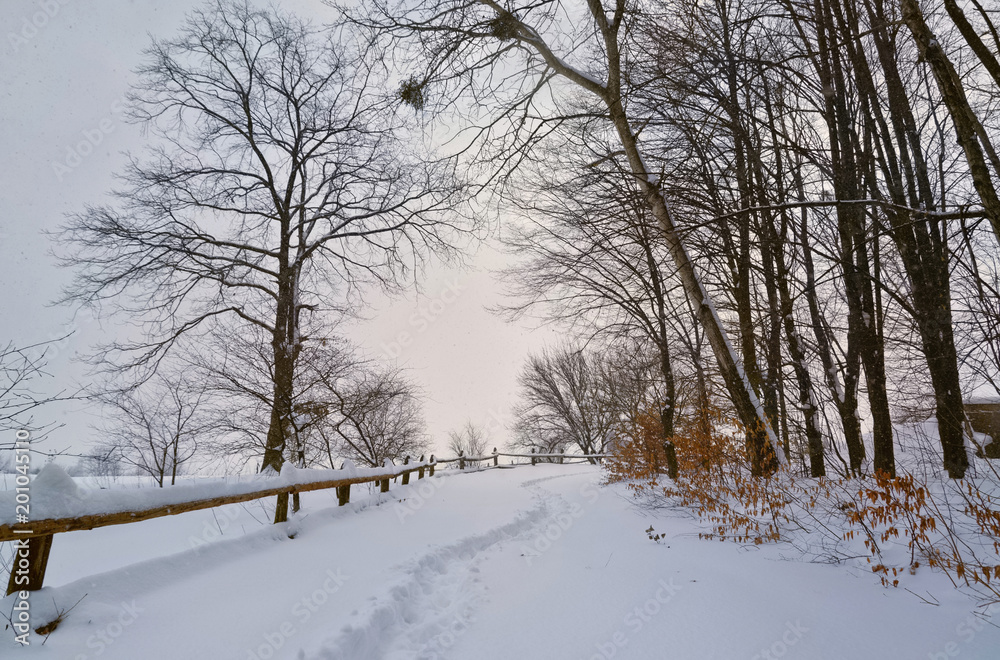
(533, 562)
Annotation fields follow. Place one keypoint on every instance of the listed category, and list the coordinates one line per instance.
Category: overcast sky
(64, 68)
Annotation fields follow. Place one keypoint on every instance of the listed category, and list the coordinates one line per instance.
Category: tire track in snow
(440, 589)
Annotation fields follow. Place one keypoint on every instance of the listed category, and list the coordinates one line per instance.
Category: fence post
(496, 458)
(532, 458)
(385, 482)
(561, 451)
(406, 475)
(461, 460)
(343, 492)
(281, 509)
(430, 468)
(38, 559)
(420, 470)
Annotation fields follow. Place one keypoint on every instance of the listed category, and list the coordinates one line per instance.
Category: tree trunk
(845, 396)
(764, 451)
(861, 319)
(284, 345)
(786, 308)
(975, 42)
(967, 126)
(668, 410)
(796, 351)
(922, 245)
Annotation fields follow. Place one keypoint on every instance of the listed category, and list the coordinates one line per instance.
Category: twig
(935, 604)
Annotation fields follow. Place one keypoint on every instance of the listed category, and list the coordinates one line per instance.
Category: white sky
(63, 66)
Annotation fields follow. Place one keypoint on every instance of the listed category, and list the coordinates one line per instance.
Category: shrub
(896, 524)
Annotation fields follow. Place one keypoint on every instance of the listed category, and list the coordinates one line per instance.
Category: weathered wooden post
(343, 492)
(281, 509)
(406, 475)
(420, 470)
(385, 482)
(430, 468)
(532, 458)
(461, 459)
(496, 458)
(562, 452)
(31, 556)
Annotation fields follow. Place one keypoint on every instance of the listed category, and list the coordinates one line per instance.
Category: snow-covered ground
(533, 562)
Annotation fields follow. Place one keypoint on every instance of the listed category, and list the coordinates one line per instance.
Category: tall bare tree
(593, 259)
(277, 184)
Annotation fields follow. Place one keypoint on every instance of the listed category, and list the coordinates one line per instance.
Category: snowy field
(534, 562)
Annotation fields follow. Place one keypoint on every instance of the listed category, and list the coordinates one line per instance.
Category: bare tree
(373, 416)
(101, 461)
(277, 184)
(237, 367)
(566, 403)
(470, 440)
(155, 427)
(592, 258)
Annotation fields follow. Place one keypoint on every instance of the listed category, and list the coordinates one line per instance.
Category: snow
(531, 562)
(52, 490)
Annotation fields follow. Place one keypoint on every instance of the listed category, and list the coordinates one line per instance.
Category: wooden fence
(34, 539)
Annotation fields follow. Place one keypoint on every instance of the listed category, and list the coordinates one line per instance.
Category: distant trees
(101, 461)
(567, 402)
(277, 184)
(343, 407)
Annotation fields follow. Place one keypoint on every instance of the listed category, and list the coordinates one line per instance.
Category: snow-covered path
(533, 562)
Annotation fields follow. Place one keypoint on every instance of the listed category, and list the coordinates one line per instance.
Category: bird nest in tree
(412, 93)
(504, 27)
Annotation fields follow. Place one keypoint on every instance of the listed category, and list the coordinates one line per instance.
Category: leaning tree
(516, 72)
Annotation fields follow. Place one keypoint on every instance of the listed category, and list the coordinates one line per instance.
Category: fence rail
(461, 459)
(34, 539)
